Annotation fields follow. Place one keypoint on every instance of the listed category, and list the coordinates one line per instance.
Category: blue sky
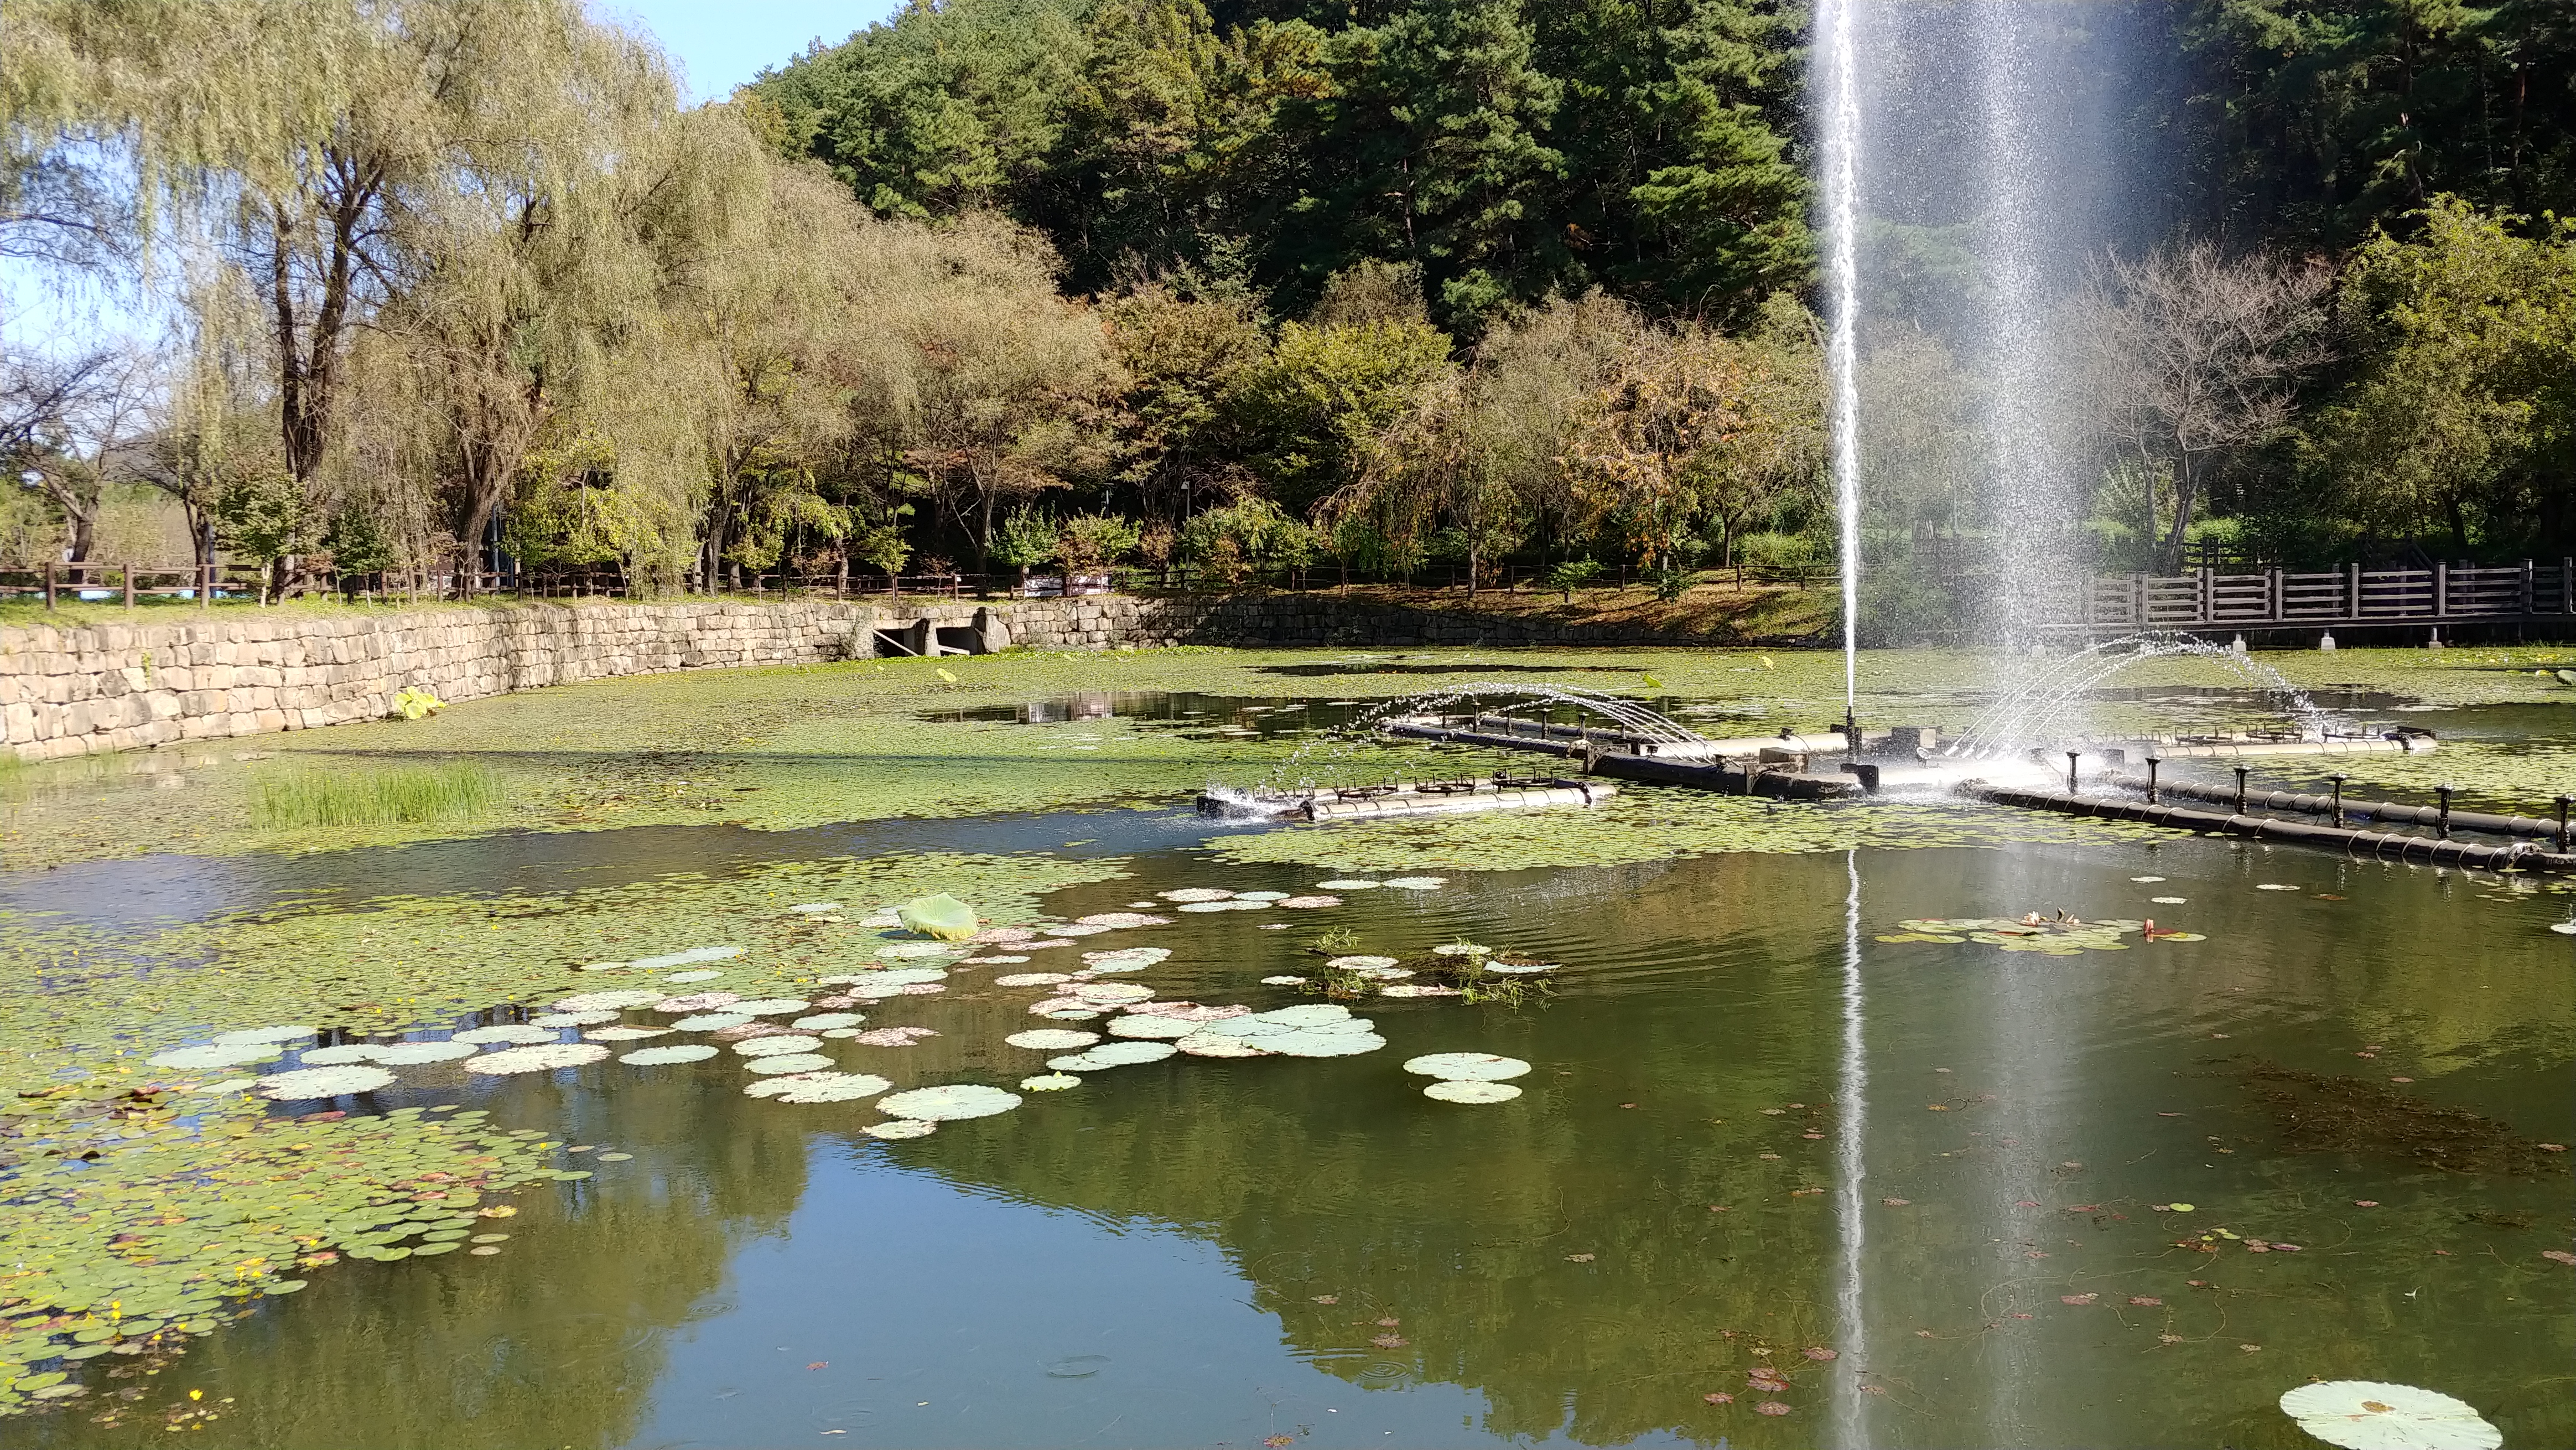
(716, 45)
(719, 46)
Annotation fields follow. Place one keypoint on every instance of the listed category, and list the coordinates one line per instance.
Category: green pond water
(1895, 1193)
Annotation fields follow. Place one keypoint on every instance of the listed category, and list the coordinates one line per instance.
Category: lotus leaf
(822, 1020)
(1095, 993)
(901, 1128)
(660, 1056)
(942, 916)
(1216, 1044)
(519, 1033)
(594, 1018)
(1471, 1090)
(699, 1002)
(252, 1035)
(622, 998)
(1311, 1043)
(949, 1103)
(322, 1082)
(684, 978)
(1113, 1054)
(547, 1058)
(340, 1056)
(1151, 1027)
(1031, 979)
(2375, 1415)
(709, 1021)
(215, 1054)
(1283, 981)
(1051, 1082)
(1109, 919)
(1349, 964)
(787, 1062)
(1417, 883)
(1052, 1039)
(1307, 1014)
(687, 958)
(625, 1034)
(1466, 1066)
(777, 1046)
(1342, 884)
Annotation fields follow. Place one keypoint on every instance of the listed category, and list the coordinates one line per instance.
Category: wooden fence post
(49, 583)
(2352, 587)
(2526, 589)
(2567, 586)
(129, 584)
(2272, 593)
(2441, 591)
(2208, 596)
(2138, 599)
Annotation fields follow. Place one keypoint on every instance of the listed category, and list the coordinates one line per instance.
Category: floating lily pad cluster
(196, 1207)
(2062, 937)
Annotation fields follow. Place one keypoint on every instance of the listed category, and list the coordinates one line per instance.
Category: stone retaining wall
(73, 691)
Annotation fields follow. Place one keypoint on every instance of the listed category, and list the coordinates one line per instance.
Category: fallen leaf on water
(1275, 1442)
(2145, 1301)
(1720, 1397)
(2365, 1203)
(2077, 1298)
(2249, 1348)
(2560, 1255)
(1328, 1298)
(1388, 1341)
(1819, 1353)
(2168, 1339)
(2551, 1147)
(1578, 1258)
(1936, 1107)
(2025, 1203)
(1388, 1323)
(820, 1364)
(1770, 1407)
(2401, 1079)
(2036, 1254)
(1896, 1202)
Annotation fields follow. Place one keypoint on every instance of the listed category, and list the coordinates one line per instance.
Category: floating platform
(2396, 740)
(1776, 766)
(2378, 845)
(1420, 798)
(2388, 812)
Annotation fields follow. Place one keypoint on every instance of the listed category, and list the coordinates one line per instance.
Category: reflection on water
(1752, 1131)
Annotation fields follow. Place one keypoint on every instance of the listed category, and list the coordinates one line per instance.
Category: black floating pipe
(2444, 824)
(2152, 763)
(2384, 812)
(2240, 788)
(2071, 757)
(2563, 803)
(2378, 844)
(2339, 778)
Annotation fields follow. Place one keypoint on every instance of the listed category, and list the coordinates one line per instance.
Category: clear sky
(720, 45)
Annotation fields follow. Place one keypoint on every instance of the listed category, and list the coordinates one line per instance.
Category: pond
(1805, 1151)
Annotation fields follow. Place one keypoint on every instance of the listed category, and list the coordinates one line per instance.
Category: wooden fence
(2350, 596)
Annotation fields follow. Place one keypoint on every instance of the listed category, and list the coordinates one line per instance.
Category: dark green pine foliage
(942, 107)
(1681, 191)
(1506, 148)
(2317, 119)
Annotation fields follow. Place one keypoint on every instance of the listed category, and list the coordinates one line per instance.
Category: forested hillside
(1241, 288)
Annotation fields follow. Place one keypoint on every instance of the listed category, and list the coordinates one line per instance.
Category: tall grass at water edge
(358, 795)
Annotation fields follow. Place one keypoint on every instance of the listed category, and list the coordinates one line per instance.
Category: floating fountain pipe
(2339, 778)
(2386, 812)
(2240, 788)
(2444, 824)
(2563, 802)
(2071, 757)
(2152, 763)
(2521, 855)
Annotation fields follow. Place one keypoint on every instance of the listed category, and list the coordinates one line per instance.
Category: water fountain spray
(1842, 352)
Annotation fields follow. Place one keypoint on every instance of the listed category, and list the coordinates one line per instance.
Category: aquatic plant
(303, 798)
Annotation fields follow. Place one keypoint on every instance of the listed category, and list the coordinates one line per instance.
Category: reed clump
(306, 798)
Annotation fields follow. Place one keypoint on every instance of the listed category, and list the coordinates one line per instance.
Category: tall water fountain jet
(1841, 89)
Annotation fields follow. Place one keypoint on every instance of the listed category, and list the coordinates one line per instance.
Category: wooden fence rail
(2351, 596)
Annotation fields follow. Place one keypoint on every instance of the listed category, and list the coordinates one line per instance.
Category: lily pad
(1113, 1054)
(950, 1103)
(687, 958)
(1355, 963)
(942, 916)
(596, 1017)
(415, 1054)
(1111, 992)
(250, 1035)
(1052, 1039)
(1127, 960)
(1306, 903)
(776, 1046)
(1313, 1043)
(547, 1058)
(822, 1020)
(787, 1062)
(343, 1055)
(1119, 919)
(1283, 981)
(1471, 1090)
(662, 1056)
(1412, 989)
(1305, 1014)
(517, 1032)
(901, 1128)
(1417, 883)
(832, 1087)
(1466, 1066)
(618, 1000)
(703, 974)
(215, 1054)
(1346, 884)
(1262, 895)
(322, 1082)
(909, 950)
(1031, 979)
(770, 1006)
(2376, 1415)
(1146, 1027)
(1218, 1044)
(1195, 894)
(709, 1021)
(698, 1002)
(1050, 1082)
